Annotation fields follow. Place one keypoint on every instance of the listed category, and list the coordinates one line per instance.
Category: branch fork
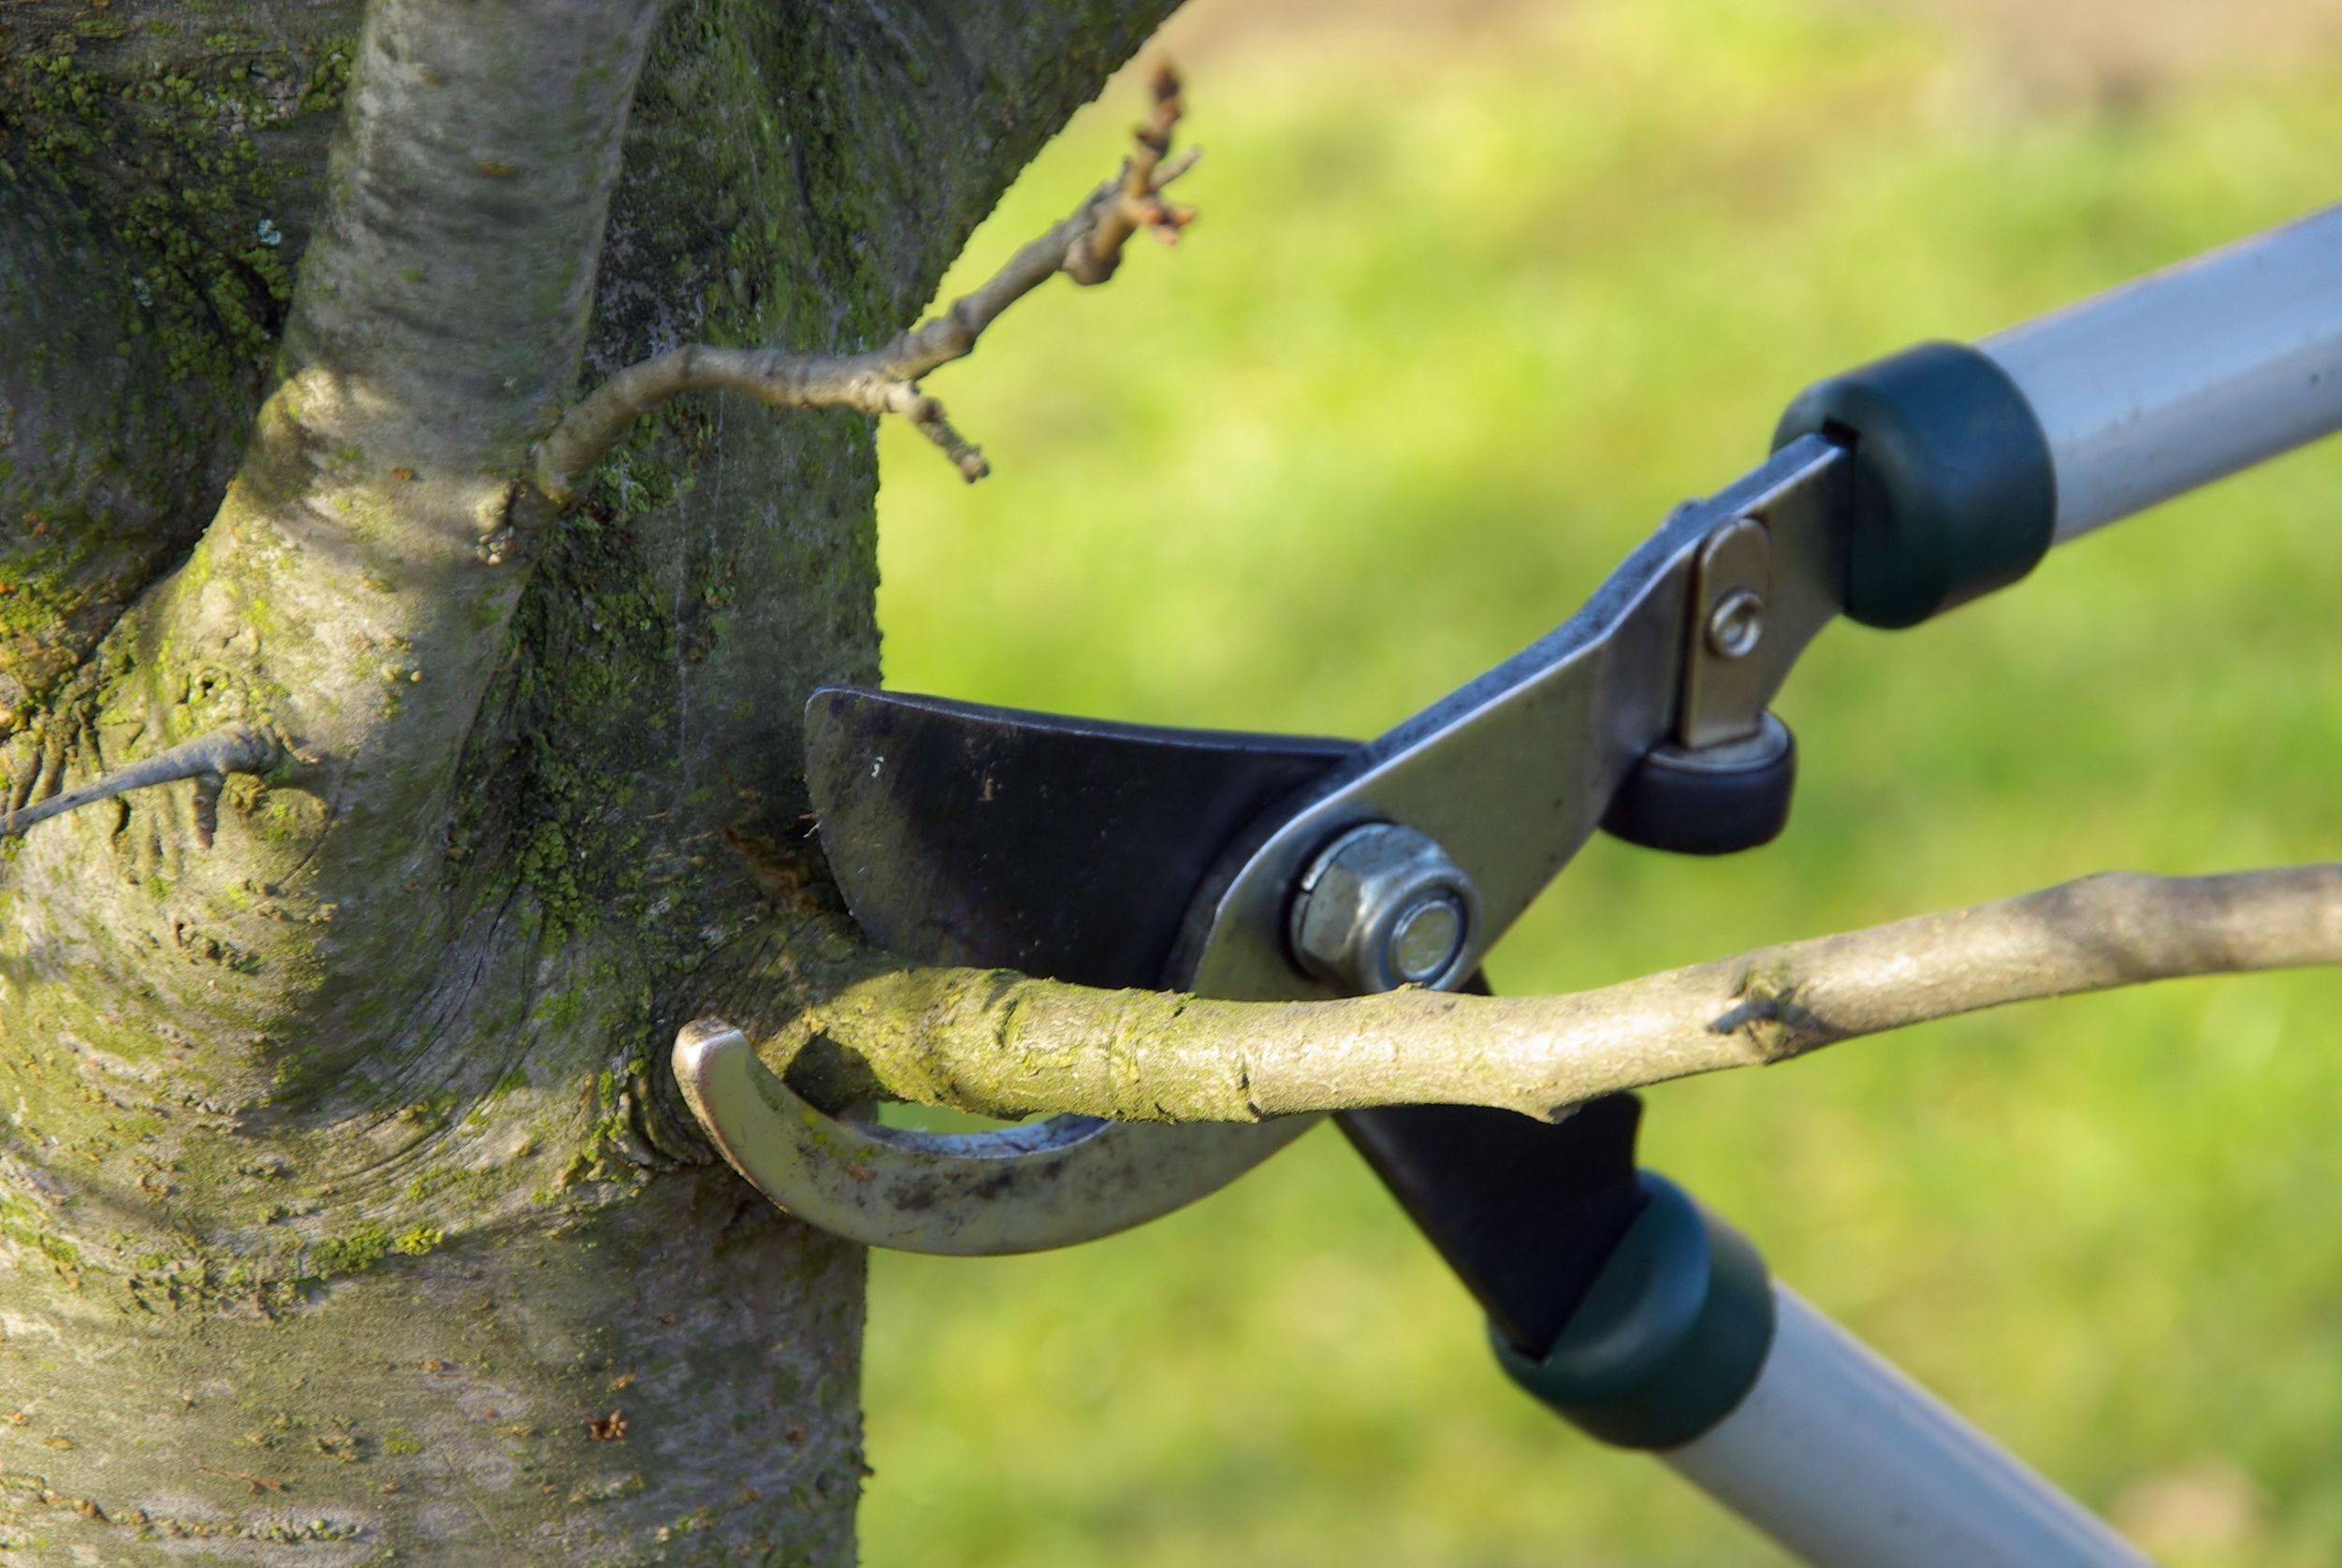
(208, 759)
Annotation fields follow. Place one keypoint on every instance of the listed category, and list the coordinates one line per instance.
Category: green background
(1472, 302)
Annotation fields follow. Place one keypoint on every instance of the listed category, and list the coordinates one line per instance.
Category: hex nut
(1383, 906)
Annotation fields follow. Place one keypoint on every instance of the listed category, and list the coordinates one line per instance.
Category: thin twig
(1085, 245)
(1005, 1045)
(208, 759)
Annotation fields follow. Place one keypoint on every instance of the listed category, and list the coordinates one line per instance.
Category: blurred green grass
(1457, 327)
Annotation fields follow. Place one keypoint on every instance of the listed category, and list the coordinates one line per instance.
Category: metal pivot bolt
(1383, 906)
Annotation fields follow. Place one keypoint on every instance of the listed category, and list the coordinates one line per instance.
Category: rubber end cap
(1956, 490)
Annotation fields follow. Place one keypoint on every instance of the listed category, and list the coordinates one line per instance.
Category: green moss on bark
(176, 162)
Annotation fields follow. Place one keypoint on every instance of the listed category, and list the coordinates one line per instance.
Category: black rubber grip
(1956, 492)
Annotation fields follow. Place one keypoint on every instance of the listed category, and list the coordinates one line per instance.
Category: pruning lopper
(1270, 866)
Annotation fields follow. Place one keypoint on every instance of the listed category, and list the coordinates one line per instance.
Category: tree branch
(1002, 1044)
(208, 759)
(1087, 245)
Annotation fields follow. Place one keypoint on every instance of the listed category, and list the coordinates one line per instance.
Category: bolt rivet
(1424, 940)
(1737, 624)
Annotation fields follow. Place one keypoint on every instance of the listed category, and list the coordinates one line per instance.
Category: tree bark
(343, 1203)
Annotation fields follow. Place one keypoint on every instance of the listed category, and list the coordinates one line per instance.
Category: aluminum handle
(1848, 1463)
(2184, 375)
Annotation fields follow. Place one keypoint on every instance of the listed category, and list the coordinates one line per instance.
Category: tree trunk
(343, 1200)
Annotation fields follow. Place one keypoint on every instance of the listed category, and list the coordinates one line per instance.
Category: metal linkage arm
(1504, 778)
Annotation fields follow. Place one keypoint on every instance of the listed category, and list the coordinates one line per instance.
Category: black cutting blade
(1524, 1212)
(1065, 847)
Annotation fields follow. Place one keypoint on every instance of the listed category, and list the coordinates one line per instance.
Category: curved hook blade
(1014, 1190)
